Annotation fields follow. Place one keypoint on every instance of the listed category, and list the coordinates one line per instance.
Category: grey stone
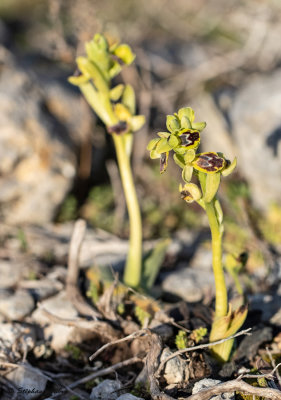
(128, 396)
(30, 382)
(17, 306)
(267, 304)
(175, 370)
(59, 335)
(10, 273)
(191, 284)
(207, 383)
(37, 144)
(256, 120)
(106, 390)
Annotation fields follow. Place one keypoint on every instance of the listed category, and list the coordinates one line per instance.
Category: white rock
(59, 334)
(106, 390)
(176, 369)
(28, 380)
(129, 396)
(207, 383)
(191, 284)
(17, 305)
(10, 273)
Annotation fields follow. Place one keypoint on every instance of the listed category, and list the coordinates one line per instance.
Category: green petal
(186, 112)
(116, 92)
(78, 80)
(129, 99)
(163, 146)
(199, 126)
(187, 173)
(185, 123)
(172, 123)
(179, 160)
(154, 154)
(137, 122)
(229, 168)
(189, 155)
(152, 144)
(173, 141)
(165, 135)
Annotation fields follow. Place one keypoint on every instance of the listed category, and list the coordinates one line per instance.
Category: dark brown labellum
(119, 128)
(185, 194)
(210, 162)
(163, 162)
(189, 138)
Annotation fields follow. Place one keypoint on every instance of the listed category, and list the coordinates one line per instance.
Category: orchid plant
(116, 107)
(201, 174)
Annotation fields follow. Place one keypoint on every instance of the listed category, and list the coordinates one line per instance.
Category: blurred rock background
(222, 59)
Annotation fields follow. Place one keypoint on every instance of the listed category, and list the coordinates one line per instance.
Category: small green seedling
(182, 139)
(116, 107)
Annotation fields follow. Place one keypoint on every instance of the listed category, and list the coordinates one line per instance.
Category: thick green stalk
(101, 104)
(221, 292)
(132, 275)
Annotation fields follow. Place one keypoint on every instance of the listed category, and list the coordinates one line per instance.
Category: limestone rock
(256, 120)
(175, 370)
(30, 381)
(39, 124)
(207, 383)
(17, 306)
(106, 390)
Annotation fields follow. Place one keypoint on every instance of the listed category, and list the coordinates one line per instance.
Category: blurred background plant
(222, 59)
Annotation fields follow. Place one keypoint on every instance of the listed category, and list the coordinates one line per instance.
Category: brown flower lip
(119, 128)
(189, 138)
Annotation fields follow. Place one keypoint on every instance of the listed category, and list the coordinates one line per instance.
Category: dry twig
(97, 374)
(72, 290)
(236, 386)
(124, 339)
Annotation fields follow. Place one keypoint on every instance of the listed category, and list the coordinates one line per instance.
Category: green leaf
(115, 69)
(172, 123)
(185, 123)
(116, 92)
(199, 126)
(179, 160)
(124, 52)
(153, 262)
(137, 122)
(186, 112)
(129, 99)
(212, 185)
(187, 173)
(163, 146)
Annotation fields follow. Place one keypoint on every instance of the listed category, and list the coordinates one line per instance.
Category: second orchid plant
(201, 174)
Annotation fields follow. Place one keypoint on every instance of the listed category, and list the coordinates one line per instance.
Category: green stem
(132, 275)
(102, 106)
(221, 292)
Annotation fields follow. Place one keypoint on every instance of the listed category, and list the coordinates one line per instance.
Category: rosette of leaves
(201, 174)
